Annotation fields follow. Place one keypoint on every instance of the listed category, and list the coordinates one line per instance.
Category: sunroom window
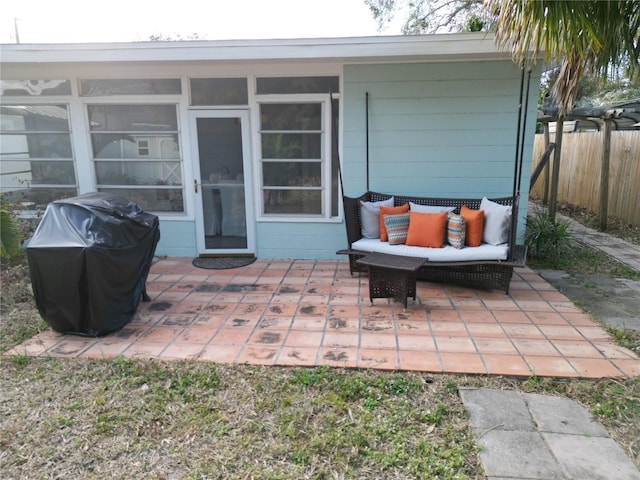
(136, 153)
(36, 157)
(299, 166)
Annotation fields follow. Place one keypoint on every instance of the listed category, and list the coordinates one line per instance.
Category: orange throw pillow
(475, 225)
(389, 211)
(426, 229)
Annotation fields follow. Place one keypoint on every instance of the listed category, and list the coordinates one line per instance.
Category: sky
(75, 21)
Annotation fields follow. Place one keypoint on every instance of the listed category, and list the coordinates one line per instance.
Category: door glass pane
(222, 182)
(291, 202)
(219, 91)
(299, 174)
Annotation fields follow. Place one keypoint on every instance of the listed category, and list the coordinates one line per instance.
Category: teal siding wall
(177, 239)
(436, 129)
(300, 240)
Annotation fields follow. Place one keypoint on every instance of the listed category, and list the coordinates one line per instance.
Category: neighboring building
(231, 143)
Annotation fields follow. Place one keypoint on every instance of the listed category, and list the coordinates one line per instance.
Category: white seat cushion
(445, 254)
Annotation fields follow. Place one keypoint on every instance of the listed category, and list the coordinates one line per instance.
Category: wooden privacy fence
(580, 170)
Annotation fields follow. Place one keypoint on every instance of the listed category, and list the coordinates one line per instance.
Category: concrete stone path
(531, 436)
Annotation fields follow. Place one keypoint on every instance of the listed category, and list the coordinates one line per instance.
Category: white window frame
(65, 100)
(177, 102)
(325, 154)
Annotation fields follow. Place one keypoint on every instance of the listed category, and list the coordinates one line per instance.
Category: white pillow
(416, 207)
(370, 217)
(497, 222)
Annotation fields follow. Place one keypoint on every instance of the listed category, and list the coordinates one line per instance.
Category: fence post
(556, 167)
(604, 175)
(547, 170)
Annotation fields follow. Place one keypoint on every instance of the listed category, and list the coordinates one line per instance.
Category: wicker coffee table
(392, 276)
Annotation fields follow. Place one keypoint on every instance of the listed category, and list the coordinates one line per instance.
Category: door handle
(195, 185)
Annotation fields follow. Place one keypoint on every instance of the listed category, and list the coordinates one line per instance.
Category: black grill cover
(89, 260)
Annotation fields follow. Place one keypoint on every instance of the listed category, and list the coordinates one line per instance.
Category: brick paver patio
(306, 313)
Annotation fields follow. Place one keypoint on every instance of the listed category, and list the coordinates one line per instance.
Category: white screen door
(224, 223)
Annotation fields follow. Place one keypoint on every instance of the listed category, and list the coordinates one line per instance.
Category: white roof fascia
(440, 47)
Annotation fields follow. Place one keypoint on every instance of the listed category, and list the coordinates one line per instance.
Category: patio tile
(71, 347)
(231, 336)
(196, 335)
(220, 353)
(273, 322)
(498, 346)
(145, 350)
(454, 327)
(306, 313)
(551, 367)
(463, 363)
(298, 356)
(444, 316)
(300, 338)
(594, 333)
(547, 318)
(160, 334)
(33, 347)
(344, 324)
(420, 361)
(182, 351)
(301, 322)
(455, 345)
(340, 339)
(486, 330)
(521, 331)
(595, 367)
(382, 325)
(378, 359)
(105, 347)
(209, 320)
(419, 327)
(629, 367)
(561, 332)
(339, 357)
(377, 340)
(580, 319)
(529, 346)
(508, 365)
(267, 337)
(570, 348)
(510, 316)
(476, 316)
(282, 309)
(258, 355)
(416, 342)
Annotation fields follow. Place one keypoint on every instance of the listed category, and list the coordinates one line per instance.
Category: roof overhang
(440, 47)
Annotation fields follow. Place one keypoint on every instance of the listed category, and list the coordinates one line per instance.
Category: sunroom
(238, 146)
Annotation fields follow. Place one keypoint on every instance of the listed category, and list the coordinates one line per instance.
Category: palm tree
(590, 36)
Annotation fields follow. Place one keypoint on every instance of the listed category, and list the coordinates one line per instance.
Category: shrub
(9, 233)
(548, 238)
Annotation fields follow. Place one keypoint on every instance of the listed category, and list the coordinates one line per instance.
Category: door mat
(222, 263)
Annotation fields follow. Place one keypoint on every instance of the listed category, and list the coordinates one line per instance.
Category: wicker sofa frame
(488, 274)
